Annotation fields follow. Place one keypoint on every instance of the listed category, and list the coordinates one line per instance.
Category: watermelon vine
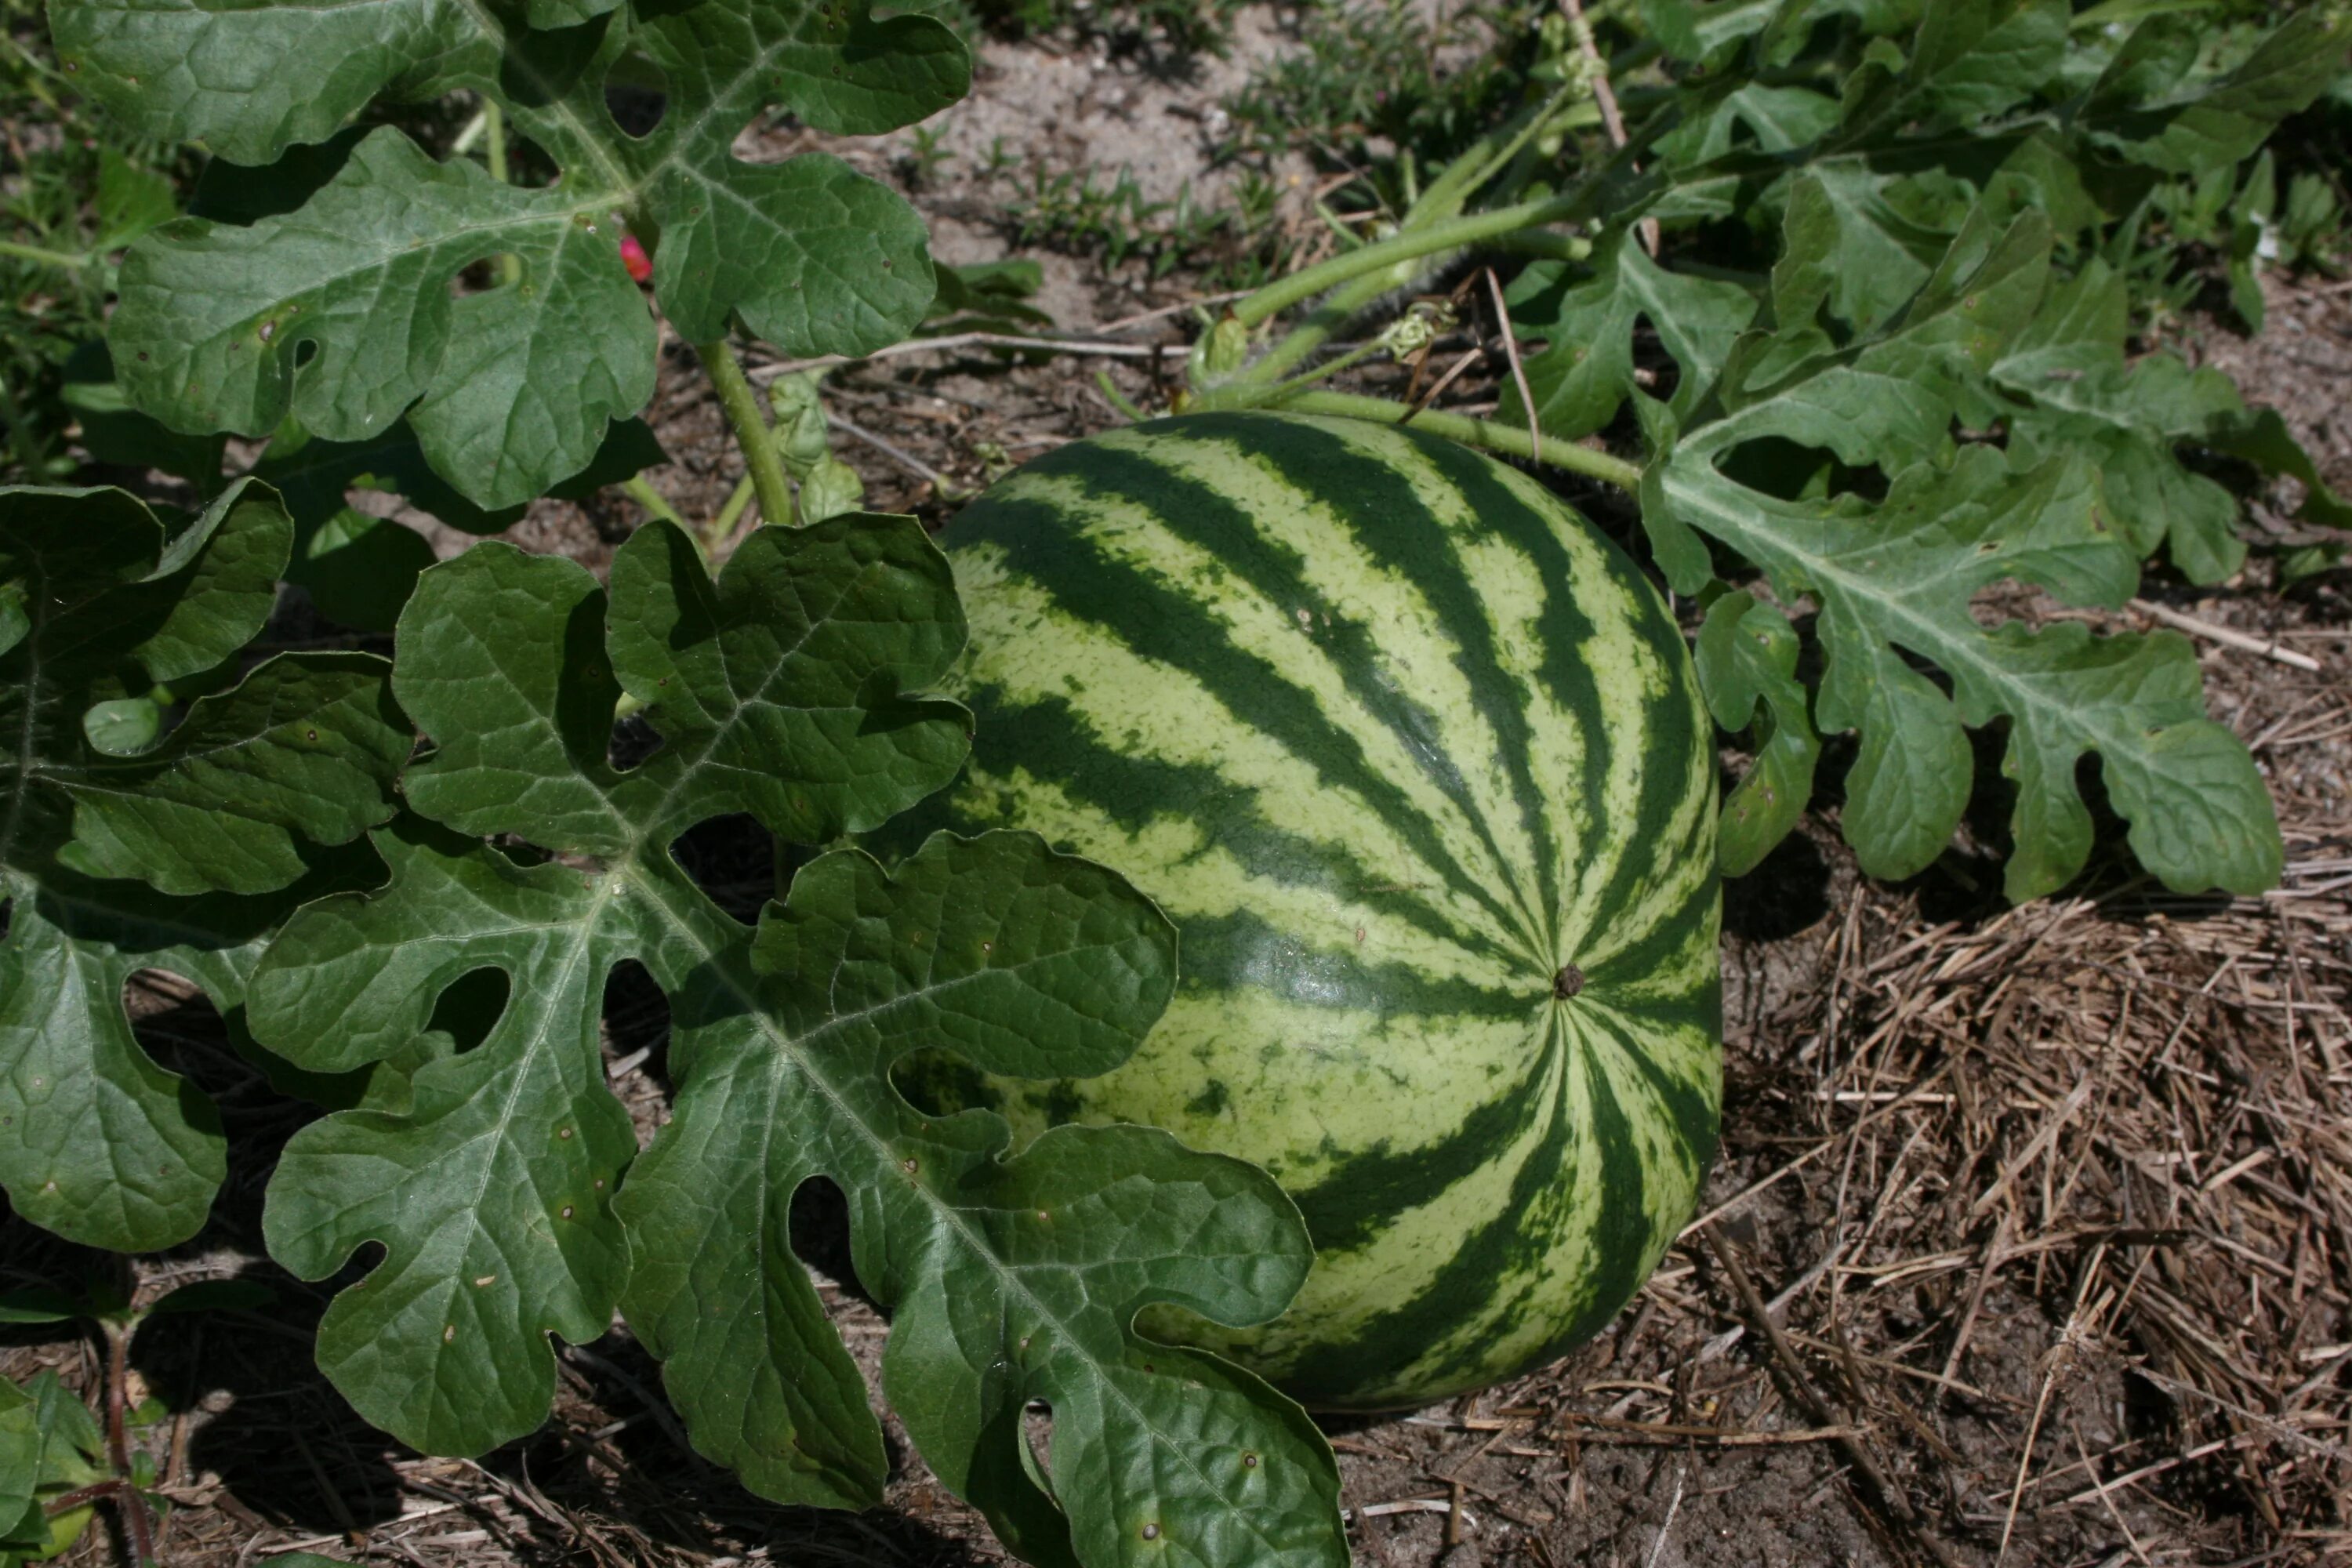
(1899, 377)
(1956, 203)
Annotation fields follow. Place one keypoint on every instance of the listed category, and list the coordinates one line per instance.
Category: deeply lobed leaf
(1897, 578)
(1870, 137)
(491, 1187)
(1009, 1280)
(330, 300)
(489, 1181)
(120, 851)
(1954, 194)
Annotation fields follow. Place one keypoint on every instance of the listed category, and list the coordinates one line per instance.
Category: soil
(2049, 1209)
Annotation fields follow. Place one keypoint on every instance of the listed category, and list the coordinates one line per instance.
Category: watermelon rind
(1413, 756)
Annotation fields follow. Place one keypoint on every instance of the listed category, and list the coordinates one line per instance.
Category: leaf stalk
(133, 1507)
(494, 147)
(71, 262)
(741, 403)
(1386, 256)
(1498, 437)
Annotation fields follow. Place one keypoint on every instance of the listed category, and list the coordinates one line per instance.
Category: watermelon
(1414, 758)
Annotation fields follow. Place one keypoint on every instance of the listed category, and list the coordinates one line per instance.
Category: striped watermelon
(1414, 758)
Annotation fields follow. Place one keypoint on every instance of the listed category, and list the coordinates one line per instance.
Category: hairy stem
(494, 136)
(1489, 156)
(741, 406)
(72, 262)
(118, 1445)
(82, 1496)
(1362, 276)
(1324, 371)
(640, 490)
(1409, 245)
(1486, 433)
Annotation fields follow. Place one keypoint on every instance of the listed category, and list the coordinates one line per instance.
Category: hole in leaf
(636, 95)
(818, 1225)
(1789, 471)
(1037, 1427)
(637, 1029)
(938, 1082)
(634, 740)
(1656, 372)
(305, 352)
(480, 276)
(471, 1006)
(731, 858)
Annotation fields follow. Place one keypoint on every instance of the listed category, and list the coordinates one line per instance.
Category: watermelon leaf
(332, 302)
(1747, 662)
(1008, 1280)
(779, 691)
(1974, 113)
(180, 854)
(776, 692)
(1894, 581)
(2065, 386)
(1582, 381)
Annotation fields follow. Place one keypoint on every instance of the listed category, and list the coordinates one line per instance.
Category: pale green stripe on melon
(1343, 1082)
(1137, 539)
(1686, 1052)
(1629, 678)
(1525, 1308)
(1350, 1290)
(1418, 651)
(1676, 879)
(1669, 1184)
(1516, 1314)
(1213, 882)
(1561, 752)
(1024, 642)
(1462, 1171)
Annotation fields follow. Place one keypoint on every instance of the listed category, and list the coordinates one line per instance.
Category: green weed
(73, 192)
(1068, 210)
(1369, 71)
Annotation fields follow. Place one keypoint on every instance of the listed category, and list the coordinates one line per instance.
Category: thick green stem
(741, 406)
(1486, 433)
(1388, 254)
(1489, 157)
(1544, 244)
(494, 134)
(1327, 369)
(639, 488)
(1362, 276)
